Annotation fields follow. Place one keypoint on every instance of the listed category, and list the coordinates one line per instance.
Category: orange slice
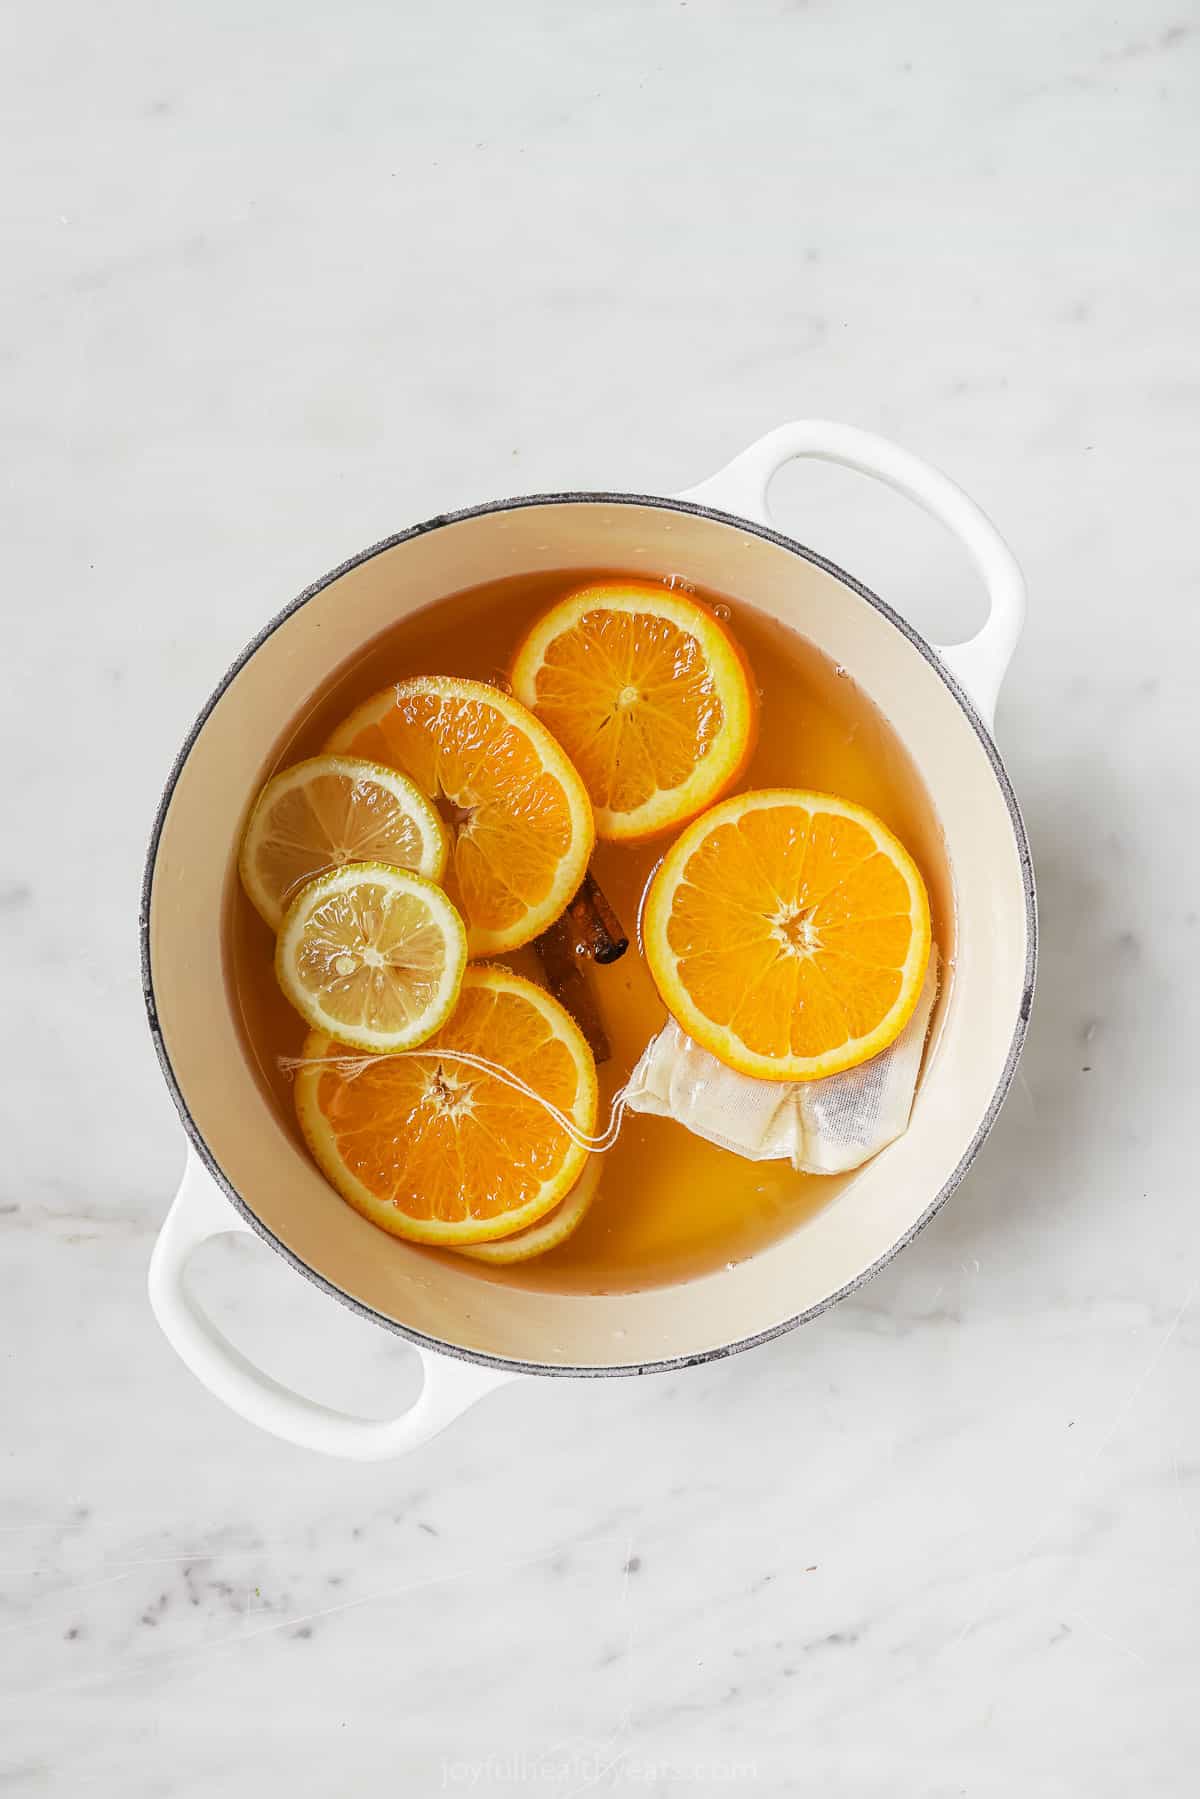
(438, 1152)
(330, 810)
(648, 695)
(549, 1231)
(788, 934)
(516, 812)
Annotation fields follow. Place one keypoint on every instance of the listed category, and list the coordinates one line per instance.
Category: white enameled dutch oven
(245, 1171)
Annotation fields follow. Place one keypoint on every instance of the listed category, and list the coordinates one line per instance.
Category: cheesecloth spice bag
(821, 1127)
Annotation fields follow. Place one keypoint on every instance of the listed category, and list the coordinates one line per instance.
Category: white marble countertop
(282, 280)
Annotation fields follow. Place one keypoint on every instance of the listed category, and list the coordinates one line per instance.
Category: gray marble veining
(280, 282)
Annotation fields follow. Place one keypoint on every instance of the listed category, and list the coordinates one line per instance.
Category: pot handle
(741, 487)
(200, 1210)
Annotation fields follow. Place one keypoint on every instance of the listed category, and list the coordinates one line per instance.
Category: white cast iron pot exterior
(450, 1384)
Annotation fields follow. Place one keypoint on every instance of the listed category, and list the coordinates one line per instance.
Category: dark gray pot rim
(664, 505)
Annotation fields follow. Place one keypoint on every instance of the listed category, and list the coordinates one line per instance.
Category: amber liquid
(669, 1205)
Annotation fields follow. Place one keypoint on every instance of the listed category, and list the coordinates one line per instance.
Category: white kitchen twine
(350, 1066)
(827, 1126)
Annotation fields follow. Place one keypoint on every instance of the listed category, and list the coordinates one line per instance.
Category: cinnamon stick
(597, 928)
(570, 986)
(590, 930)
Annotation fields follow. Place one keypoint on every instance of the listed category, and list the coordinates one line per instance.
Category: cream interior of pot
(273, 1177)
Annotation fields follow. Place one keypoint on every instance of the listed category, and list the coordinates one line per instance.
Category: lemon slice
(536, 1239)
(332, 810)
(372, 955)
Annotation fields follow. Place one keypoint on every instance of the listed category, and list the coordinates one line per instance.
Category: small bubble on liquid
(842, 673)
(500, 682)
(678, 584)
(720, 610)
